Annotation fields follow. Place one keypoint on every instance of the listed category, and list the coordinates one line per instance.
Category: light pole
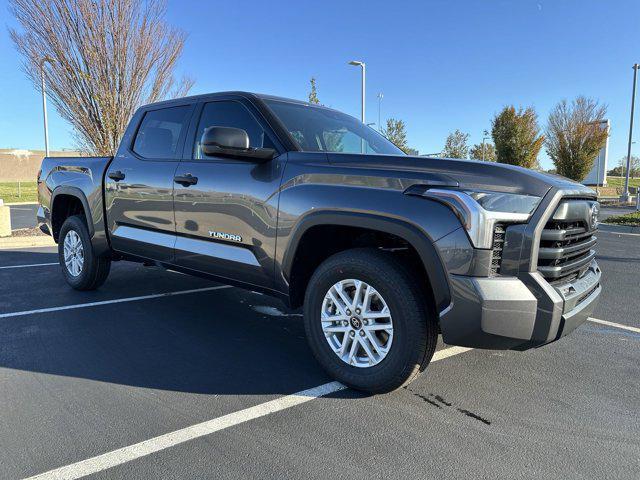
(363, 76)
(380, 96)
(625, 194)
(483, 139)
(44, 104)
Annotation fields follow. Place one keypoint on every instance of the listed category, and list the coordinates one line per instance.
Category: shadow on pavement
(209, 342)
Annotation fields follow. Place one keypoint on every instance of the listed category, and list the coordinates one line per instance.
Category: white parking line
(107, 302)
(615, 325)
(32, 265)
(449, 352)
(171, 439)
(619, 233)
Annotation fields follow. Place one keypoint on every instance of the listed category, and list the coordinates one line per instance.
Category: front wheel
(82, 269)
(367, 322)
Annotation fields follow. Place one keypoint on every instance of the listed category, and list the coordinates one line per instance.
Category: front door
(139, 185)
(226, 209)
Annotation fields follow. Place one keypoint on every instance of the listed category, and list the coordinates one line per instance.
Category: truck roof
(254, 95)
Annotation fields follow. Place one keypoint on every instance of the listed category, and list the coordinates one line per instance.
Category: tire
(91, 271)
(411, 341)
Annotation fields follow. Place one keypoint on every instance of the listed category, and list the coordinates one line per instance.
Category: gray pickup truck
(383, 251)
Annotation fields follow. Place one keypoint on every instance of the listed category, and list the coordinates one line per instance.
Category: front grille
(566, 248)
(498, 244)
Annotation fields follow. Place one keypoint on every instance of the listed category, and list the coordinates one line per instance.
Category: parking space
(78, 383)
(125, 280)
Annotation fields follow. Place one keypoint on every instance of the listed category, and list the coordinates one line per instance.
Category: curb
(20, 203)
(608, 227)
(24, 242)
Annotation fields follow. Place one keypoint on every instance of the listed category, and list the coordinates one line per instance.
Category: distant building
(598, 174)
(22, 165)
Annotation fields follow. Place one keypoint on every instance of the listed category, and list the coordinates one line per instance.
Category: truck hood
(467, 174)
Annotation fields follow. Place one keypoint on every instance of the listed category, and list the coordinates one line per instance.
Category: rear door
(139, 183)
(226, 220)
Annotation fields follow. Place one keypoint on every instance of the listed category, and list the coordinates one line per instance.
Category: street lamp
(625, 194)
(363, 76)
(486, 137)
(380, 96)
(44, 104)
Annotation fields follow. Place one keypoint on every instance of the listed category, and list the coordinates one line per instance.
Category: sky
(441, 65)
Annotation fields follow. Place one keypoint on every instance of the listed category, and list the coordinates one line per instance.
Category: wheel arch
(66, 197)
(413, 235)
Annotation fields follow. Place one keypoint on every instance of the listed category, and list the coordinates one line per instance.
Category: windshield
(318, 129)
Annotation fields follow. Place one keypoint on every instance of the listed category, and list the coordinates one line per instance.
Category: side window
(159, 132)
(230, 114)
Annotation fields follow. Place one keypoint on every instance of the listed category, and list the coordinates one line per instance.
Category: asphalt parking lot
(169, 376)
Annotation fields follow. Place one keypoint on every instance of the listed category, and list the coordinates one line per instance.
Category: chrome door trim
(216, 250)
(142, 235)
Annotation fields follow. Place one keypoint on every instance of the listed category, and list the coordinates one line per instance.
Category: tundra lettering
(383, 251)
(225, 236)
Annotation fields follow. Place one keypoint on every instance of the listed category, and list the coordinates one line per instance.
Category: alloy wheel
(73, 253)
(357, 323)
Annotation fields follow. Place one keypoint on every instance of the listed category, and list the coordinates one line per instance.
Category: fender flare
(414, 235)
(79, 194)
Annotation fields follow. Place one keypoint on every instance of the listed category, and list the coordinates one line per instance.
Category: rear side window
(160, 131)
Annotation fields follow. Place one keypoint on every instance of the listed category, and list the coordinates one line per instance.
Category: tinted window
(159, 132)
(230, 114)
(322, 129)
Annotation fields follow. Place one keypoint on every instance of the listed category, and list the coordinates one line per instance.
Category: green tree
(313, 93)
(395, 132)
(456, 145)
(480, 152)
(574, 136)
(516, 136)
(617, 171)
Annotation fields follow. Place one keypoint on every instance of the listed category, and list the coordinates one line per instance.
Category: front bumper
(517, 312)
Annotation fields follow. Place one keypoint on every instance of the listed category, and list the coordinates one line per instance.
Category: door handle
(185, 180)
(117, 175)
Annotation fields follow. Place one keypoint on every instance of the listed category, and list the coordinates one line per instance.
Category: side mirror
(232, 142)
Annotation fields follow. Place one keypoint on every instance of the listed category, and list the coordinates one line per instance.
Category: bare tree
(106, 58)
(621, 169)
(575, 136)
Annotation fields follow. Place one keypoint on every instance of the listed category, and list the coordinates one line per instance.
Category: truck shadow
(224, 342)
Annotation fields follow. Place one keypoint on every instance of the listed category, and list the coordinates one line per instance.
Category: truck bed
(71, 180)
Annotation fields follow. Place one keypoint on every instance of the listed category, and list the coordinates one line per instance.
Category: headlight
(505, 202)
(479, 211)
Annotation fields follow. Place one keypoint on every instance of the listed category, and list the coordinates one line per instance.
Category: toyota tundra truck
(383, 251)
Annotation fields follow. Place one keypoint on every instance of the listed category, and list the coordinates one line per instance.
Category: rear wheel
(82, 269)
(367, 320)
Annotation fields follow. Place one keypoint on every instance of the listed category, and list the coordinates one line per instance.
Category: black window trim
(187, 153)
(181, 138)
